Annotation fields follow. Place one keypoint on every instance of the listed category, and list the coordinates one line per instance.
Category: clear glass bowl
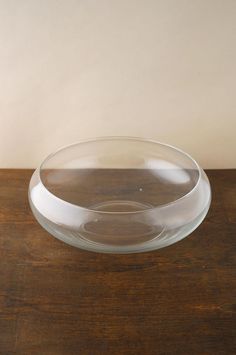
(119, 194)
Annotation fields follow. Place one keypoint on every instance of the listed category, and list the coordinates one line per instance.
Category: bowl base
(119, 231)
(120, 206)
(89, 238)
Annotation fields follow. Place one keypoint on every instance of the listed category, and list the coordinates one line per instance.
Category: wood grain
(55, 299)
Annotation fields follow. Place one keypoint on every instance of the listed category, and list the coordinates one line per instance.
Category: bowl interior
(119, 174)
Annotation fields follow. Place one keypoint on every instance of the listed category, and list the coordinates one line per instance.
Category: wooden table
(55, 299)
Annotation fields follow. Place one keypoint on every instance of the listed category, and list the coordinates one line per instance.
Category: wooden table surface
(55, 299)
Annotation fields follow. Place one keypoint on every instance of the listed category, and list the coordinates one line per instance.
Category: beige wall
(77, 69)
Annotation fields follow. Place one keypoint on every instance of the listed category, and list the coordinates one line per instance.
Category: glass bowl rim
(107, 138)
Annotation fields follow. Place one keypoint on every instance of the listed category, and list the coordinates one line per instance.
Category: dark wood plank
(55, 299)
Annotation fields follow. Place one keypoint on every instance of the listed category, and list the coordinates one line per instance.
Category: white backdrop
(163, 69)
